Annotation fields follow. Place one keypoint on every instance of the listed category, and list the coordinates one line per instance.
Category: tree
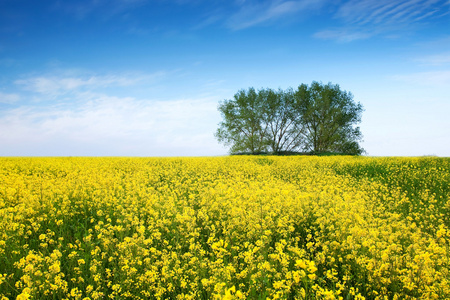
(284, 127)
(319, 118)
(328, 118)
(242, 127)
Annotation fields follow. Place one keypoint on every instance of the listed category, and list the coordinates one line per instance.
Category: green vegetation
(317, 119)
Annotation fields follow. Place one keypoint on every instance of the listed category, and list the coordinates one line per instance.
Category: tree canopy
(317, 118)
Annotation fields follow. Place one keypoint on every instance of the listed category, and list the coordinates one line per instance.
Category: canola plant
(225, 228)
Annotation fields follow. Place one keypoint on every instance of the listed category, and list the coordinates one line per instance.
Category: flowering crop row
(225, 228)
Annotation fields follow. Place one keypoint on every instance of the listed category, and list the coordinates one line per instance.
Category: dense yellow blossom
(225, 228)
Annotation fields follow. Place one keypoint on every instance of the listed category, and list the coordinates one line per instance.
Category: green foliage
(313, 119)
(328, 116)
(242, 128)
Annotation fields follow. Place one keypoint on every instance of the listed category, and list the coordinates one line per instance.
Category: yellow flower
(166, 227)
(300, 263)
(312, 267)
(24, 295)
(54, 268)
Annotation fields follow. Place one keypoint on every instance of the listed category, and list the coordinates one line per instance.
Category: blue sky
(144, 78)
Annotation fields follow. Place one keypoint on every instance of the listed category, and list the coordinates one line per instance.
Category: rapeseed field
(225, 228)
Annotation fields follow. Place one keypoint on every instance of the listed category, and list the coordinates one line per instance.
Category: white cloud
(366, 18)
(389, 11)
(342, 35)
(58, 84)
(435, 60)
(9, 98)
(105, 125)
(430, 78)
(71, 113)
(251, 15)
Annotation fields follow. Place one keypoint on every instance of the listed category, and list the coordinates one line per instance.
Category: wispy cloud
(435, 60)
(9, 98)
(390, 11)
(209, 19)
(258, 13)
(342, 35)
(365, 18)
(78, 113)
(105, 125)
(58, 84)
(430, 78)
